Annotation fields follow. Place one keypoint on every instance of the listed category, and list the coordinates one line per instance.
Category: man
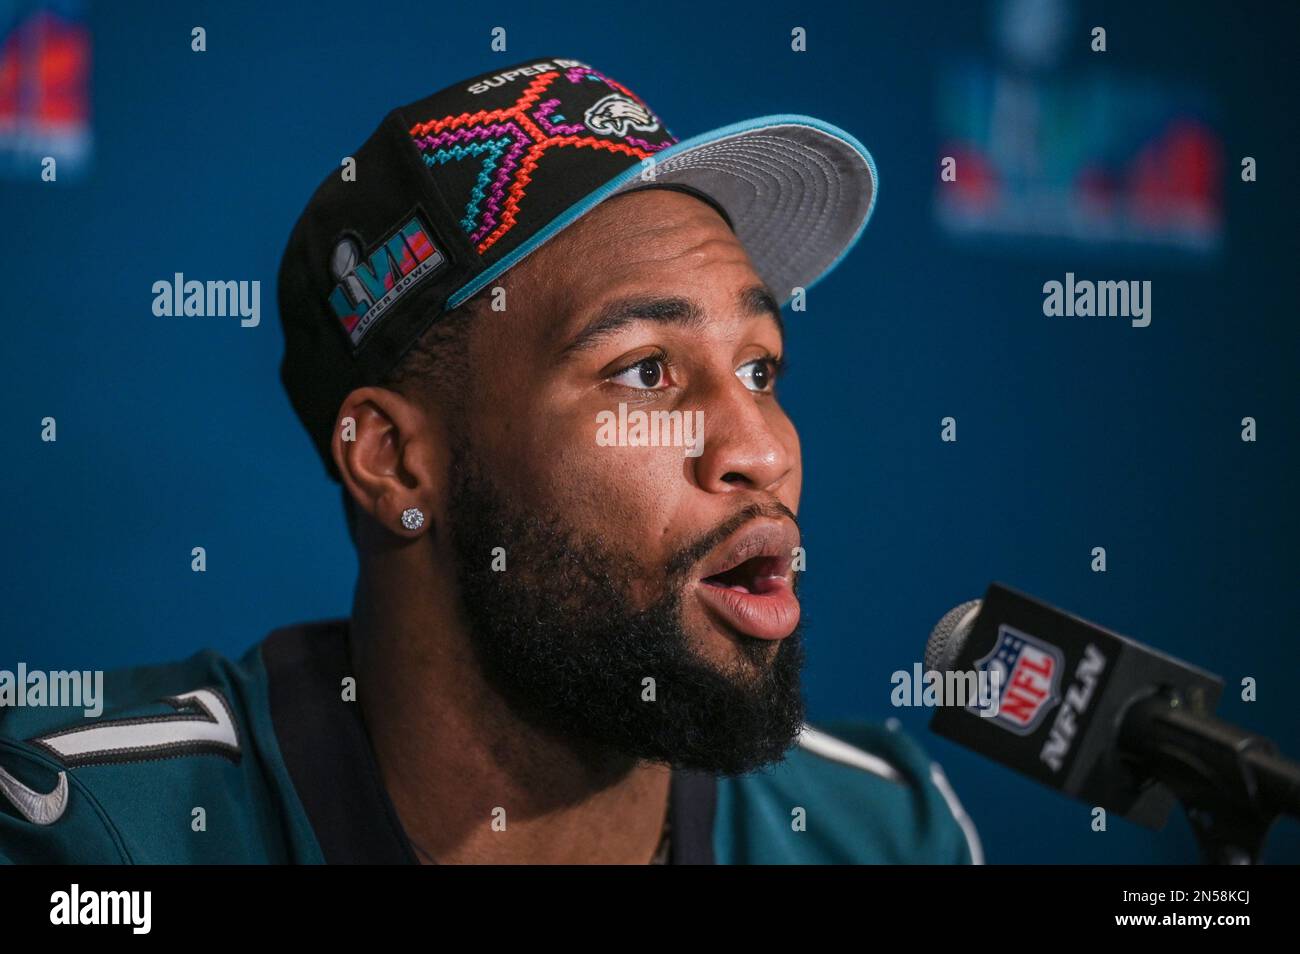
(536, 340)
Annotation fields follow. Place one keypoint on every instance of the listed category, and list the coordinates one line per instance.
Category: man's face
(623, 564)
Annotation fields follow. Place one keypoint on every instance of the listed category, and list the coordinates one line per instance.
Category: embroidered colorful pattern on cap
(554, 111)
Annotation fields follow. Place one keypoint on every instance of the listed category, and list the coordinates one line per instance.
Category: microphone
(1109, 721)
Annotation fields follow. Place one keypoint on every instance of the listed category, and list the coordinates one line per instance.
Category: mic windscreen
(949, 635)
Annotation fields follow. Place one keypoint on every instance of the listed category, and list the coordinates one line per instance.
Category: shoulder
(154, 764)
(855, 793)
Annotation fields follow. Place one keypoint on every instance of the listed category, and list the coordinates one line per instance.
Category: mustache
(682, 561)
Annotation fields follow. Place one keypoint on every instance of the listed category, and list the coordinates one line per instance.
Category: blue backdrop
(174, 433)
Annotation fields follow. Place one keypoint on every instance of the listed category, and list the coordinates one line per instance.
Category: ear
(390, 457)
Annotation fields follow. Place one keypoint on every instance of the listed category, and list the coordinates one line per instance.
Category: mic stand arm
(1233, 784)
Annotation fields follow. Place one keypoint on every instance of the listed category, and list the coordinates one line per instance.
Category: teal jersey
(264, 760)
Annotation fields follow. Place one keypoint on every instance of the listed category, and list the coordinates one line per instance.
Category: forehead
(653, 242)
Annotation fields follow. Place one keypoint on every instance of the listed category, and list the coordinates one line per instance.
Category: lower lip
(769, 615)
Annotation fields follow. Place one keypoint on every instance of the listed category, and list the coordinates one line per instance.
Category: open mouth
(761, 574)
(749, 587)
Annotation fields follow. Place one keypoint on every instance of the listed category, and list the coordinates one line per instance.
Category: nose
(747, 446)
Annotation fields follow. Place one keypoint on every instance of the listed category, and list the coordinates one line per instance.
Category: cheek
(625, 494)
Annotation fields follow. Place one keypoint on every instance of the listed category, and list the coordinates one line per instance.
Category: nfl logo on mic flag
(1030, 683)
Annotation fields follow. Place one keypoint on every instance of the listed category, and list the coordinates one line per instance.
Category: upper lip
(775, 540)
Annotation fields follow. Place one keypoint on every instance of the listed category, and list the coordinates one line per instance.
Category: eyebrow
(755, 301)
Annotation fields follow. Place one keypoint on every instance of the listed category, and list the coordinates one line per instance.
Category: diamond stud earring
(413, 518)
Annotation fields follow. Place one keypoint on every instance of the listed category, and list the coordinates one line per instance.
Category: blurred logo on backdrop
(1050, 145)
(44, 88)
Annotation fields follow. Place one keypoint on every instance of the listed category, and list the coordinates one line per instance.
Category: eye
(760, 374)
(648, 374)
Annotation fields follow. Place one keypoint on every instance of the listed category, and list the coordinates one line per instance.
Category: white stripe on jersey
(837, 750)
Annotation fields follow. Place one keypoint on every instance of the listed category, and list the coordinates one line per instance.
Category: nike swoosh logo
(39, 808)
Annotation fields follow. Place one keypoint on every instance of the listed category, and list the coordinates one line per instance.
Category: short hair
(436, 367)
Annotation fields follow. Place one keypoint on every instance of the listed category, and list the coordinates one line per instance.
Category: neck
(469, 780)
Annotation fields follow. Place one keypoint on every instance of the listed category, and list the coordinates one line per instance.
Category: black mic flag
(1107, 720)
(1066, 684)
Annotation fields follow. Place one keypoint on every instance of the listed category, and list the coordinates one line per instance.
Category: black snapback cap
(450, 192)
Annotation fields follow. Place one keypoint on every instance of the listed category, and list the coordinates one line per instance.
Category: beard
(558, 636)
